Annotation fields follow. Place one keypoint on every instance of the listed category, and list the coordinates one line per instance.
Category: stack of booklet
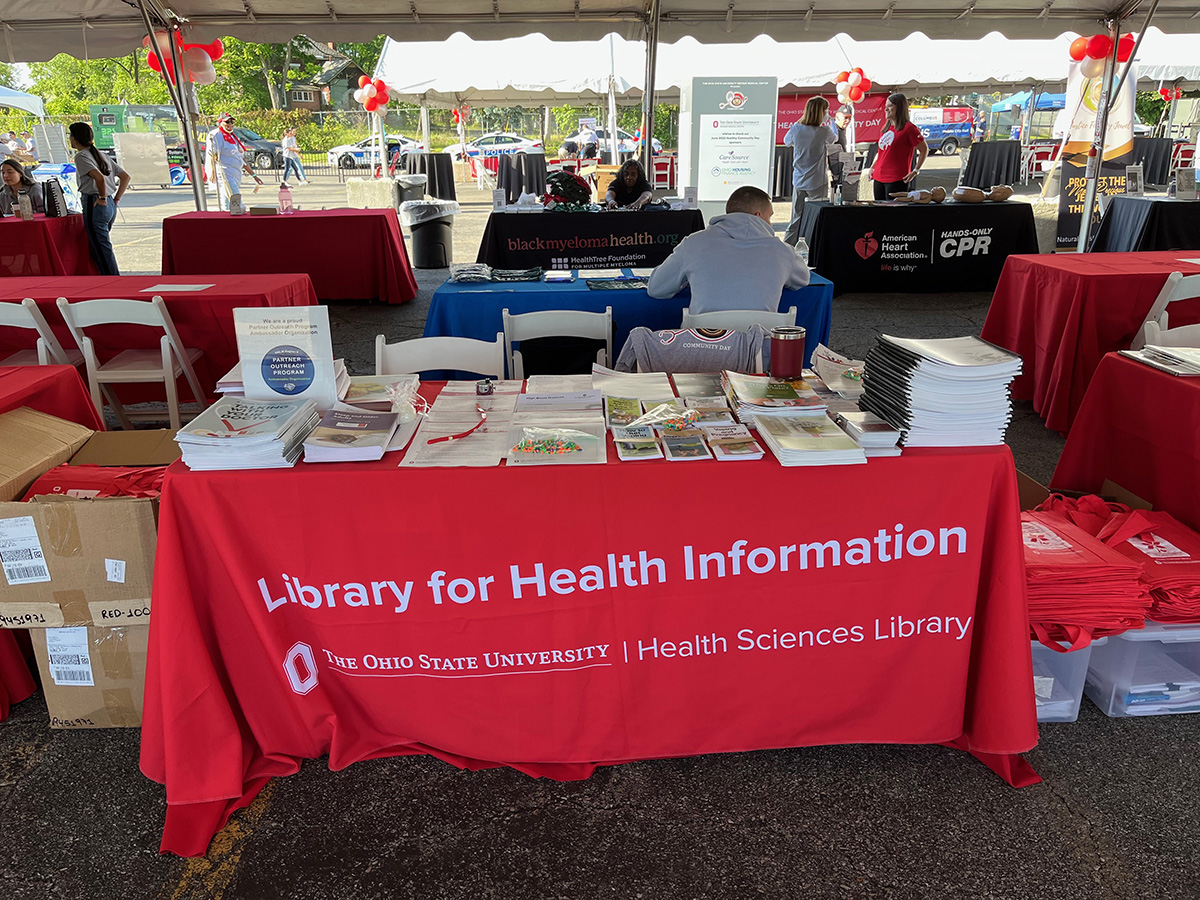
(805, 440)
(231, 384)
(875, 436)
(377, 392)
(235, 433)
(948, 392)
(762, 395)
(345, 436)
(1175, 360)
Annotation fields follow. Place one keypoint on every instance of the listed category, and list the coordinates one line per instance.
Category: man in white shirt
(589, 142)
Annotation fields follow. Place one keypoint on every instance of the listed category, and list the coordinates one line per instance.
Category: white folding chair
(164, 365)
(426, 354)
(738, 319)
(556, 323)
(49, 351)
(1177, 287)
(1183, 336)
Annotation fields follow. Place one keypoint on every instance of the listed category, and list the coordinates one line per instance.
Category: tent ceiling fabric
(35, 30)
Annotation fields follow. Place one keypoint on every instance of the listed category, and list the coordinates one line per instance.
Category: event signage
(868, 115)
(286, 353)
(1077, 122)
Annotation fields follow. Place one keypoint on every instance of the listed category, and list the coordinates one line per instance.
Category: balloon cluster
(852, 86)
(1170, 94)
(372, 95)
(197, 58)
(1091, 52)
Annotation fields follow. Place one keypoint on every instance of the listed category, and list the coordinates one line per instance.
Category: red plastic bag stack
(100, 481)
(1168, 553)
(1078, 587)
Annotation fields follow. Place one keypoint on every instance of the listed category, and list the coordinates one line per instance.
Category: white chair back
(27, 315)
(738, 319)
(1177, 287)
(555, 323)
(431, 353)
(1183, 336)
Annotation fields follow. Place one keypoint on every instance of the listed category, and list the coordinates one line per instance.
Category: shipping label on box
(76, 562)
(93, 677)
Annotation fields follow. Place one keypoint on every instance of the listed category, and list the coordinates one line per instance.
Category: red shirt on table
(895, 156)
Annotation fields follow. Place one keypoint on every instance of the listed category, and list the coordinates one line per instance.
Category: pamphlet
(637, 442)
(686, 444)
(350, 436)
(619, 411)
(732, 442)
(174, 288)
(286, 353)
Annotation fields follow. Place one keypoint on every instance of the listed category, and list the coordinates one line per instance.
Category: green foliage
(8, 76)
(1150, 107)
(365, 56)
(69, 85)
(253, 75)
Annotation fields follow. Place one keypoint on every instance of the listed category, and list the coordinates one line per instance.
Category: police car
(946, 128)
(360, 155)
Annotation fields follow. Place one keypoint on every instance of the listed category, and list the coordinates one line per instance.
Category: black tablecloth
(1148, 223)
(784, 160)
(919, 248)
(993, 162)
(1154, 156)
(440, 169)
(522, 173)
(585, 240)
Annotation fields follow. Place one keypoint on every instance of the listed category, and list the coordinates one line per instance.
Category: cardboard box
(1031, 492)
(113, 660)
(32, 443)
(154, 447)
(75, 562)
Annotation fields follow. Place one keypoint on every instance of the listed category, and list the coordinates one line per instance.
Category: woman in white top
(809, 139)
(102, 183)
(291, 156)
(226, 162)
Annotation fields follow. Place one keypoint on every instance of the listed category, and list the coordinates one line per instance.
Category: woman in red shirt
(894, 171)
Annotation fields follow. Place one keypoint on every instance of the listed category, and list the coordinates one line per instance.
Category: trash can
(431, 222)
(412, 187)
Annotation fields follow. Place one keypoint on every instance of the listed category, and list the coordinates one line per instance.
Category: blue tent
(1044, 101)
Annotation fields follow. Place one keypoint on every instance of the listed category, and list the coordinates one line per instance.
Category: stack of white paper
(762, 395)
(949, 392)
(808, 440)
(873, 434)
(633, 385)
(235, 433)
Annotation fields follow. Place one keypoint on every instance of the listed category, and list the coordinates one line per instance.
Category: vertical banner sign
(1083, 104)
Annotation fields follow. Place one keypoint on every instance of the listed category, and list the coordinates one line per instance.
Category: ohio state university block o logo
(300, 668)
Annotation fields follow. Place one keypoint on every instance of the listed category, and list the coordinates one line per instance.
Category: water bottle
(25, 205)
(285, 198)
(1172, 188)
(802, 249)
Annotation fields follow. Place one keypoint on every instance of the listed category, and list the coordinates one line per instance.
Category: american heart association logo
(866, 246)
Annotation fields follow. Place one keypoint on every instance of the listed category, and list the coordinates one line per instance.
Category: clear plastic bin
(1151, 672)
(1058, 681)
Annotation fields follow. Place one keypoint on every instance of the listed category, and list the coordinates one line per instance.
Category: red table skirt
(350, 254)
(204, 319)
(598, 666)
(1140, 428)
(56, 390)
(1063, 312)
(44, 247)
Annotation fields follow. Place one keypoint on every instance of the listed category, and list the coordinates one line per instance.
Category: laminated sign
(286, 354)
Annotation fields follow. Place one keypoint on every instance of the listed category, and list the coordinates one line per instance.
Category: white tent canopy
(36, 30)
(21, 100)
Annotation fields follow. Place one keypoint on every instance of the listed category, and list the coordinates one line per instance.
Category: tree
(365, 56)
(7, 76)
(251, 76)
(69, 85)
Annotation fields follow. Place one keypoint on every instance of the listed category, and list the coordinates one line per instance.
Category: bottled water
(802, 249)
(25, 205)
(285, 198)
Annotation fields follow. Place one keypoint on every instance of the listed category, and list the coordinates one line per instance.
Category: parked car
(355, 156)
(263, 154)
(495, 143)
(625, 142)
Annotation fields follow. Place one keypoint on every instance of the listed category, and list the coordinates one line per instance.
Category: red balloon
(370, 104)
(856, 94)
(382, 98)
(364, 80)
(215, 50)
(379, 85)
(1178, 93)
(1125, 48)
(1099, 46)
(152, 62)
(1079, 48)
(842, 76)
(865, 84)
(858, 70)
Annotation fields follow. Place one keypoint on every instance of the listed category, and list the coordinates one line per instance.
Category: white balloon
(843, 91)
(1091, 68)
(381, 111)
(208, 76)
(163, 39)
(370, 90)
(359, 96)
(854, 80)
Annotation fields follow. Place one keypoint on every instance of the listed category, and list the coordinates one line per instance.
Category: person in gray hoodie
(737, 262)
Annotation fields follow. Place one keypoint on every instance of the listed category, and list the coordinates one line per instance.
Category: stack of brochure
(762, 395)
(343, 436)
(948, 392)
(636, 442)
(699, 384)
(1175, 360)
(805, 440)
(235, 433)
(231, 384)
(732, 442)
(873, 434)
(378, 392)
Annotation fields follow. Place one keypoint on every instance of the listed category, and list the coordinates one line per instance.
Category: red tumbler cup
(787, 351)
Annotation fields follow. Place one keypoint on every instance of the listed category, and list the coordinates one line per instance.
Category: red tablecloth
(1063, 312)
(350, 254)
(57, 390)
(1140, 428)
(44, 246)
(204, 319)
(243, 684)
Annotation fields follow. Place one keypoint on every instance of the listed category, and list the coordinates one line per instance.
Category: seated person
(693, 350)
(570, 150)
(737, 262)
(630, 188)
(16, 179)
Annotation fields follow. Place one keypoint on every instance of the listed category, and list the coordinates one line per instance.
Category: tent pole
(1137, 45)
(648, 90)
(1096, 154)
(425, 126)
